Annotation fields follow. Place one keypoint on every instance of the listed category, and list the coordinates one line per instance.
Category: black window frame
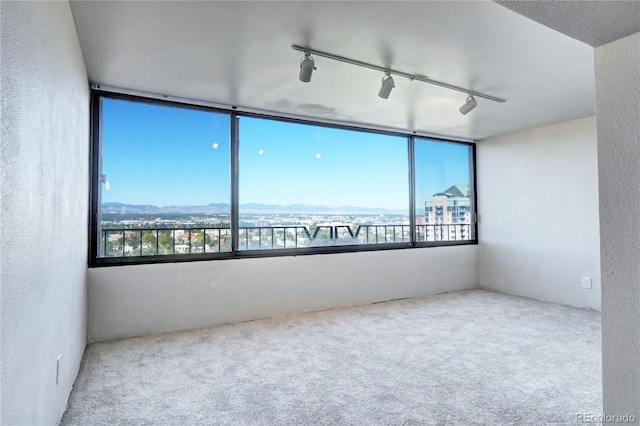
(95, 187)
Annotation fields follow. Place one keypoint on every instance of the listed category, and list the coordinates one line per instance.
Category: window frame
(95, 152)
(473, 196)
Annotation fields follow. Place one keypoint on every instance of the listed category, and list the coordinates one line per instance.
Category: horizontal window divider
(247, 111)
(254, 254)
(169, 258)
(322, 250)
(445, 243)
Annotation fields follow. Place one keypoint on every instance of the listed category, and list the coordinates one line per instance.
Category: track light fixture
(469, 105)
(387, 85)
(306, 67)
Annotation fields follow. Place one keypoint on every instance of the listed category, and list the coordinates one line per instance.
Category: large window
(174, 182)
(164, 181)
(311, 186)
(444, 198)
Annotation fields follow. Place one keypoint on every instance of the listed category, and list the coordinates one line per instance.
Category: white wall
(617, 66)
(44, 198)
(128, 301)
(538, 206)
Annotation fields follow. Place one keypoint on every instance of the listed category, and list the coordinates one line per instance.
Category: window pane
(444, 206)
(313, 186)
(165, 180)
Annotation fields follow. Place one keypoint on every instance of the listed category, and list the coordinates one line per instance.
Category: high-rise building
(447, 216)
(451, 206)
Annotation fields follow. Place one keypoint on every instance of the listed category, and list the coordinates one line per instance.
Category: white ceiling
(593, 22)
(238, 53)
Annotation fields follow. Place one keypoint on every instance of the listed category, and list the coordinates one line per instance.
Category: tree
(148, 238)
(165, 240)
(113, 244)
(148, 243)
(202, 238)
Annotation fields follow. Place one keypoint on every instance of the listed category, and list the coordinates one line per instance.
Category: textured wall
(538, 205)
(147, 299)
(618, 111)
(44, 197)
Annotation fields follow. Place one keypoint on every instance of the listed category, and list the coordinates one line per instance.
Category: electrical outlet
(58, 368)
(586, 282)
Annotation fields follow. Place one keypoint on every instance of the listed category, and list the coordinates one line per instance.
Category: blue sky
(162, 156)
(438, 166)
(304, 164)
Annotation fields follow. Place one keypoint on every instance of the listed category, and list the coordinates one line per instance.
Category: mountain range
(251, 208)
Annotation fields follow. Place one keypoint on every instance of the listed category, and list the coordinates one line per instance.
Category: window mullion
(412, 190)
(235, 142)
(473, 196)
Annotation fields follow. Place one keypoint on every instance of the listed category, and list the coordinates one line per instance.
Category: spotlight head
(306, 67)
(387, 85)
(469, 105)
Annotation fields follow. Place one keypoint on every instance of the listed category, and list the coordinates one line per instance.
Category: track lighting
(306, 67)
(469, 105)
(387, 85)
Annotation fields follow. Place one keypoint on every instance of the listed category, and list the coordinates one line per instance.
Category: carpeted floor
(464, 358)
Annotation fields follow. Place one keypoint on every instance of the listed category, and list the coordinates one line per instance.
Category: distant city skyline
(163, 156)
(246, 208)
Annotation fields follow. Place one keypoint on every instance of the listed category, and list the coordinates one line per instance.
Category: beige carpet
(463, 358)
